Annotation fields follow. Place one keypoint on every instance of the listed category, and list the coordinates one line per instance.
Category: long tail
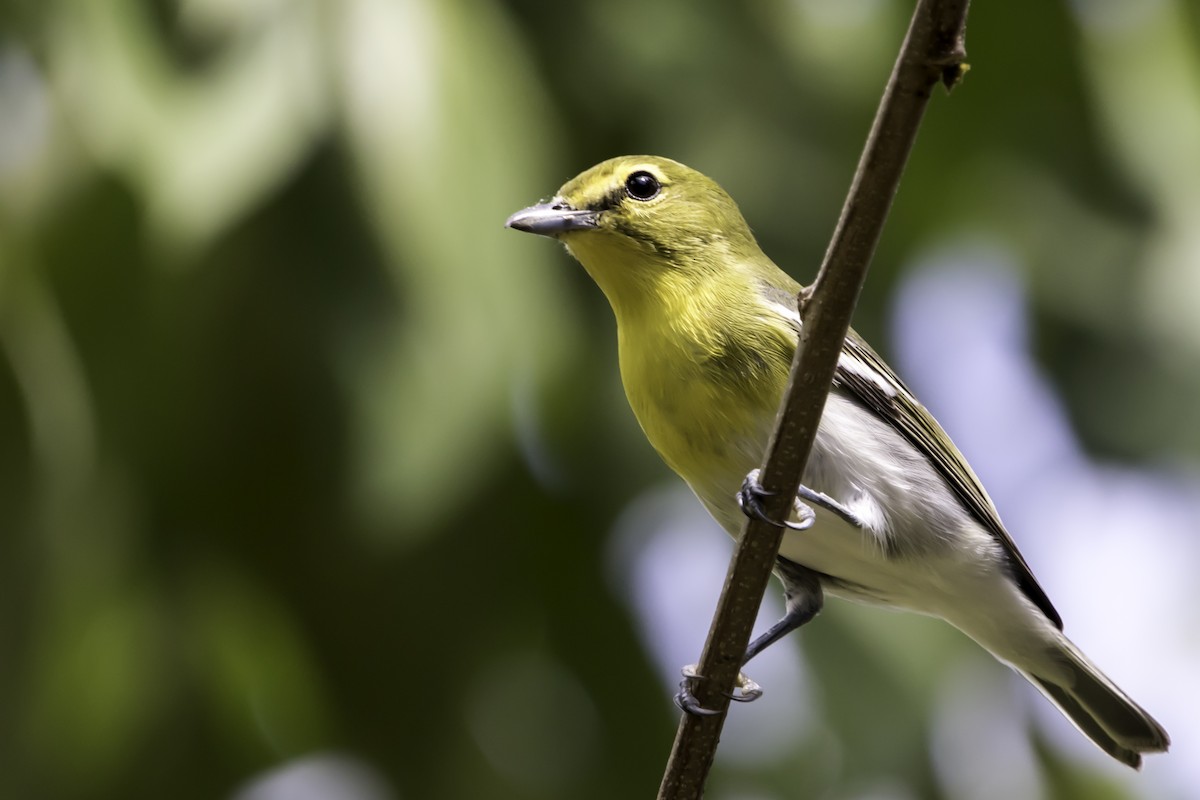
(1099, 709)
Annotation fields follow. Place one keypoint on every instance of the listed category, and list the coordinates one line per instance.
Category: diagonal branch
(932, 52)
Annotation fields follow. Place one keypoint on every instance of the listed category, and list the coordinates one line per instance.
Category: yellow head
(641, 224)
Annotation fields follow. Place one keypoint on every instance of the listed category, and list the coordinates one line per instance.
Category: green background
(316, 482)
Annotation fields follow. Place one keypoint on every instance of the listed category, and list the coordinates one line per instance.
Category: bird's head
(635, 221)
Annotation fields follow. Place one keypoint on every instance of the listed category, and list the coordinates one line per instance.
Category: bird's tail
(1098, 708)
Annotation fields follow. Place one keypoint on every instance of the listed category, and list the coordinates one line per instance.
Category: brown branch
(932, 52)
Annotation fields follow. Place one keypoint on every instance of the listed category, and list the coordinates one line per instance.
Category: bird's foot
(746, 691)
(750, 499)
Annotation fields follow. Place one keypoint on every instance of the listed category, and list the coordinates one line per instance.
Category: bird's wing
(870, 381)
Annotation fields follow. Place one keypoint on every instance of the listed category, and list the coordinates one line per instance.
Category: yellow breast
(705, 387)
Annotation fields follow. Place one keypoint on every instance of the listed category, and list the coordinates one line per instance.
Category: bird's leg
(829, 504)
(793, 619)
(802, 588)
(804, 598)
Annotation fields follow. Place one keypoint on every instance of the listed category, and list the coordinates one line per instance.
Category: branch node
(953, 74)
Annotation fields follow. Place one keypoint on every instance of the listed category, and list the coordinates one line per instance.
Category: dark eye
(642, 186)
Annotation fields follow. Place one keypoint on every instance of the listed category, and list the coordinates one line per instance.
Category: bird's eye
(642, 186)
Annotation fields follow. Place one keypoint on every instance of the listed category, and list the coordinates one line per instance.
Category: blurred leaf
(49, 374)
(262, 685)
(204, 147)
(1144, 65)
(96, 684)
(524, 706)
(450, 134)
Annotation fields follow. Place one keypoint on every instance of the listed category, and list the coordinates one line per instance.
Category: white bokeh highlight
(320, 776)
(981, 749)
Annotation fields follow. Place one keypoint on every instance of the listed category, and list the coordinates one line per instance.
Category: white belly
(919, 548)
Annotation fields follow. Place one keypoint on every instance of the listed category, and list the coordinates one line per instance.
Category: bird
(889, 512)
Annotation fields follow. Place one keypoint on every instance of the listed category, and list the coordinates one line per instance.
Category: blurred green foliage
(301, 452)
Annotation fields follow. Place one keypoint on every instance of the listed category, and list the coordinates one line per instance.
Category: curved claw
(685, 701)
(750, 500)
(749, 690)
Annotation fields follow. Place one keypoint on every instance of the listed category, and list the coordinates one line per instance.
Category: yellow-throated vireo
(889, 513)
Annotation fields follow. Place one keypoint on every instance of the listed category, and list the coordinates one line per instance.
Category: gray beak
(552, 218)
